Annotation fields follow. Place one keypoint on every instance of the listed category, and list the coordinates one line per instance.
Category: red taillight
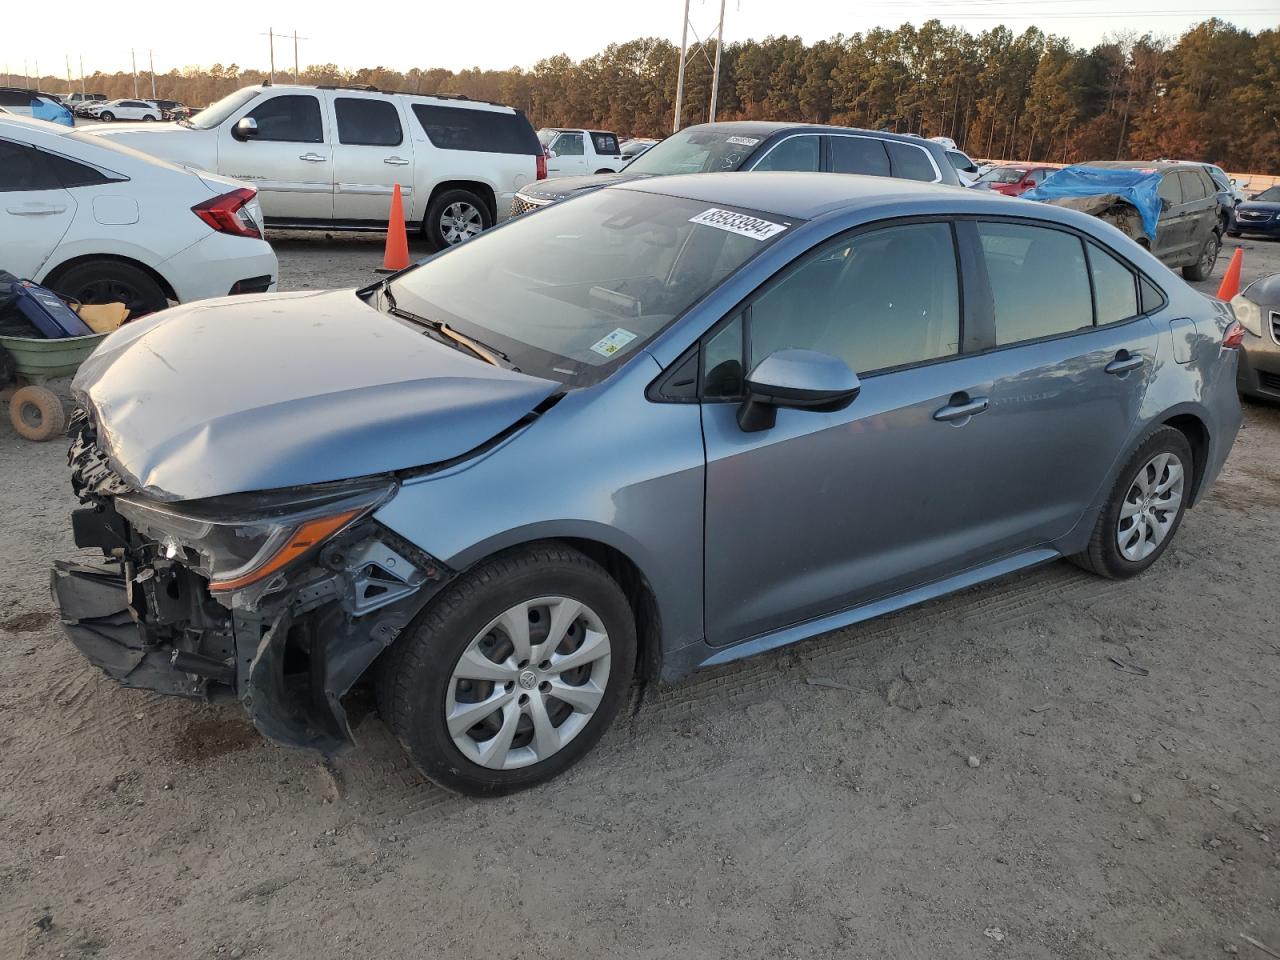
(542, 164)
(1234, 336)
(227, 213)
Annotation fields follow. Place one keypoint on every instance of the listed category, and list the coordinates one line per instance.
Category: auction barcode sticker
(742, 141)
(739, 223)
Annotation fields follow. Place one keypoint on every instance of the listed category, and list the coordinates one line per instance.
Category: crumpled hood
(258, 392)
(561, 188)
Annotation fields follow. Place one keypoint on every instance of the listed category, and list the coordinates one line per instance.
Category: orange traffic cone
(1231, 279)
(396, 256)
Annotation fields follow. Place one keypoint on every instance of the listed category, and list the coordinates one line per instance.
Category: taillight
(228, 214)
(1234, 336)
(542, 164)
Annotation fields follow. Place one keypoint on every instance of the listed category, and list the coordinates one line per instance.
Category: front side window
(1115, 290)
(289, 119)
(582, 284)
(363, 121)
(878, 300)
(569, 145)
(910, 162)
(863, 155)
(961, 162)
(1039, 281)
(793, 153)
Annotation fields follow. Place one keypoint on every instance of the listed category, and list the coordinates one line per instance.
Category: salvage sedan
(662, 426)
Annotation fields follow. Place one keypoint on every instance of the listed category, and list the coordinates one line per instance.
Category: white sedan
(101, 223)
(129, 110)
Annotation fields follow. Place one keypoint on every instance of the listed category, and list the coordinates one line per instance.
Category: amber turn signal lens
(310, 534)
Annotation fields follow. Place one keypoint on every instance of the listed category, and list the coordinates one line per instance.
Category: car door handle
(395, 161)
(961, 407)
(312, 158)
(1124, 362)
(36, 209)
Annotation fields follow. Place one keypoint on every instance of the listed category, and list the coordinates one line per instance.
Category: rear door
(372, 154)
(290, 160)
(1200, 200)
(35, 209)
(1171, 231)
(855, 154)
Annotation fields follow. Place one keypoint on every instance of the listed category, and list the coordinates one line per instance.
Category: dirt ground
(817, 802)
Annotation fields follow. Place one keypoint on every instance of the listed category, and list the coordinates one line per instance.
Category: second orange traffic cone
(1231, 279)
(396, 256)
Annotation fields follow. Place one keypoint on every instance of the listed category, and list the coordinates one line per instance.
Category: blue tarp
(1139, 187)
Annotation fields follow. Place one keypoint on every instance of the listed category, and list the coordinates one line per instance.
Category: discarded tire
(37, 413)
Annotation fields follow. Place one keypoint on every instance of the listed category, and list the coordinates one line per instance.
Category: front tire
(455, 216)
(106, 115)
(513, 673)
(1202, 269)
(1144, 510)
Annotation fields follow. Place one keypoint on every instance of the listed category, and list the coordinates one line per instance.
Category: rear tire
(148, 118)
(112, 281)
(454, 216)
(1141, 509)
(37, 413)
(1206, 259)
(460, 651)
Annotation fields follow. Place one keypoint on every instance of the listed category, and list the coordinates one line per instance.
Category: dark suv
(759, 145)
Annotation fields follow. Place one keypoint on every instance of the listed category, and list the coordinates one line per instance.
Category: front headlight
(241, 539)
(1248, 313)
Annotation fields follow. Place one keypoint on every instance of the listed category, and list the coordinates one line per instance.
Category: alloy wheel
(460, 221)
(1150, 507)
(528, 683)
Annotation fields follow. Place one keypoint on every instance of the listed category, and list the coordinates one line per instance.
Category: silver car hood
(258, 392)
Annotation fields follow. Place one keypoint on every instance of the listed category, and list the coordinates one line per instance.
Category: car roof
(1161, 165)
(767, 128)
(454, 99)
(802, 195)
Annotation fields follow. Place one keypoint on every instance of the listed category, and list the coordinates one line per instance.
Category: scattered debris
(828, 682)
(1215, 843)
(1135, 797)
(974, 761)
(995, 933)
(1260, 945)
(1183, 775)
(1223, 805)
(1127, 667)
(1042, 708)
(43, 923)
(1231, 948)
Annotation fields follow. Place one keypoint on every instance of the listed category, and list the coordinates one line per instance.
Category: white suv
(129, 110)
(328, 157)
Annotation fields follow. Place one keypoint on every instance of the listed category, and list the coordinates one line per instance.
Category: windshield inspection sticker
(742, 141)
(611, 344)
(739, 223)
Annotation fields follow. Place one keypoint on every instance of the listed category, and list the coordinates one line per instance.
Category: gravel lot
(748, 812)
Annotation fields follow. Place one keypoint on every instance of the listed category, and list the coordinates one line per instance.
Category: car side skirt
(867, 611)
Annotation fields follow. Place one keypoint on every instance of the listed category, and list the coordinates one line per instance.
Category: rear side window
(23, 168)
(1039, 281)
(1170, 189)
(12, 98)
(793, 153)
(910, 162)
(368, 122)
(604, 142)
(72, 174)
(289, 119)
(859, 155)
(481, 131)
(1115, 291)
(1193, 185)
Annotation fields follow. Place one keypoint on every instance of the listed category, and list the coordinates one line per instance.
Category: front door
(290, 160)
(372, 154)
(570, 158)
(830, 509)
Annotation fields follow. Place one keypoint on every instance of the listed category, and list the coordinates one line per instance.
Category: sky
(502, 33)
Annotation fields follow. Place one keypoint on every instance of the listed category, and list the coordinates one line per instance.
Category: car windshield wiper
(446, 333)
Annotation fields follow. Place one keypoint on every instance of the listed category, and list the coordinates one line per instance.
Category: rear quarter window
(910, 162)
(479, 131)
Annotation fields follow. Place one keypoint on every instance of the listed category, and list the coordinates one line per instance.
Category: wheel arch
(53, 274)
(1193, 427)
(482, 189)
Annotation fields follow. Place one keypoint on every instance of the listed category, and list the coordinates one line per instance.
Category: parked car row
(21, 102)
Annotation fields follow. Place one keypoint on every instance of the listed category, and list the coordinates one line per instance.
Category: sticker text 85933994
(742, 224)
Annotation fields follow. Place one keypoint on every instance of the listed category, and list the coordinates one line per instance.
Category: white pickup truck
(579, 153)
(328, 158)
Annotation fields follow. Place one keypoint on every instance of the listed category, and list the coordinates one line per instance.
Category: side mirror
(551, 154)
(246, 128)
(801, 379)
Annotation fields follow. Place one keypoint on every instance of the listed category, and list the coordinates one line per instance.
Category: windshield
(1003, 175)
(696, 150)
(1271, 193)
(570, 290)
(215, 113)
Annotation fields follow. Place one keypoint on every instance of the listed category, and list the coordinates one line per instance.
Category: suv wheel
(1144, 510)
(513, 673)
(1202, 269)
(453, 217)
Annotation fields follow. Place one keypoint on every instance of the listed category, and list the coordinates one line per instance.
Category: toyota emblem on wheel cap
(527, 679)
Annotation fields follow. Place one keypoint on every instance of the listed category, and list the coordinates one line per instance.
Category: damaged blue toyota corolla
(664, 425)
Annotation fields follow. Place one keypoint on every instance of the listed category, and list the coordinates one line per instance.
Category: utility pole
(82, 76)
(715, 70)
(684, 47)
(134, 60)
(686, 54)
(67, 57)
(296, 38)
(271, 39)
(151, 62)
